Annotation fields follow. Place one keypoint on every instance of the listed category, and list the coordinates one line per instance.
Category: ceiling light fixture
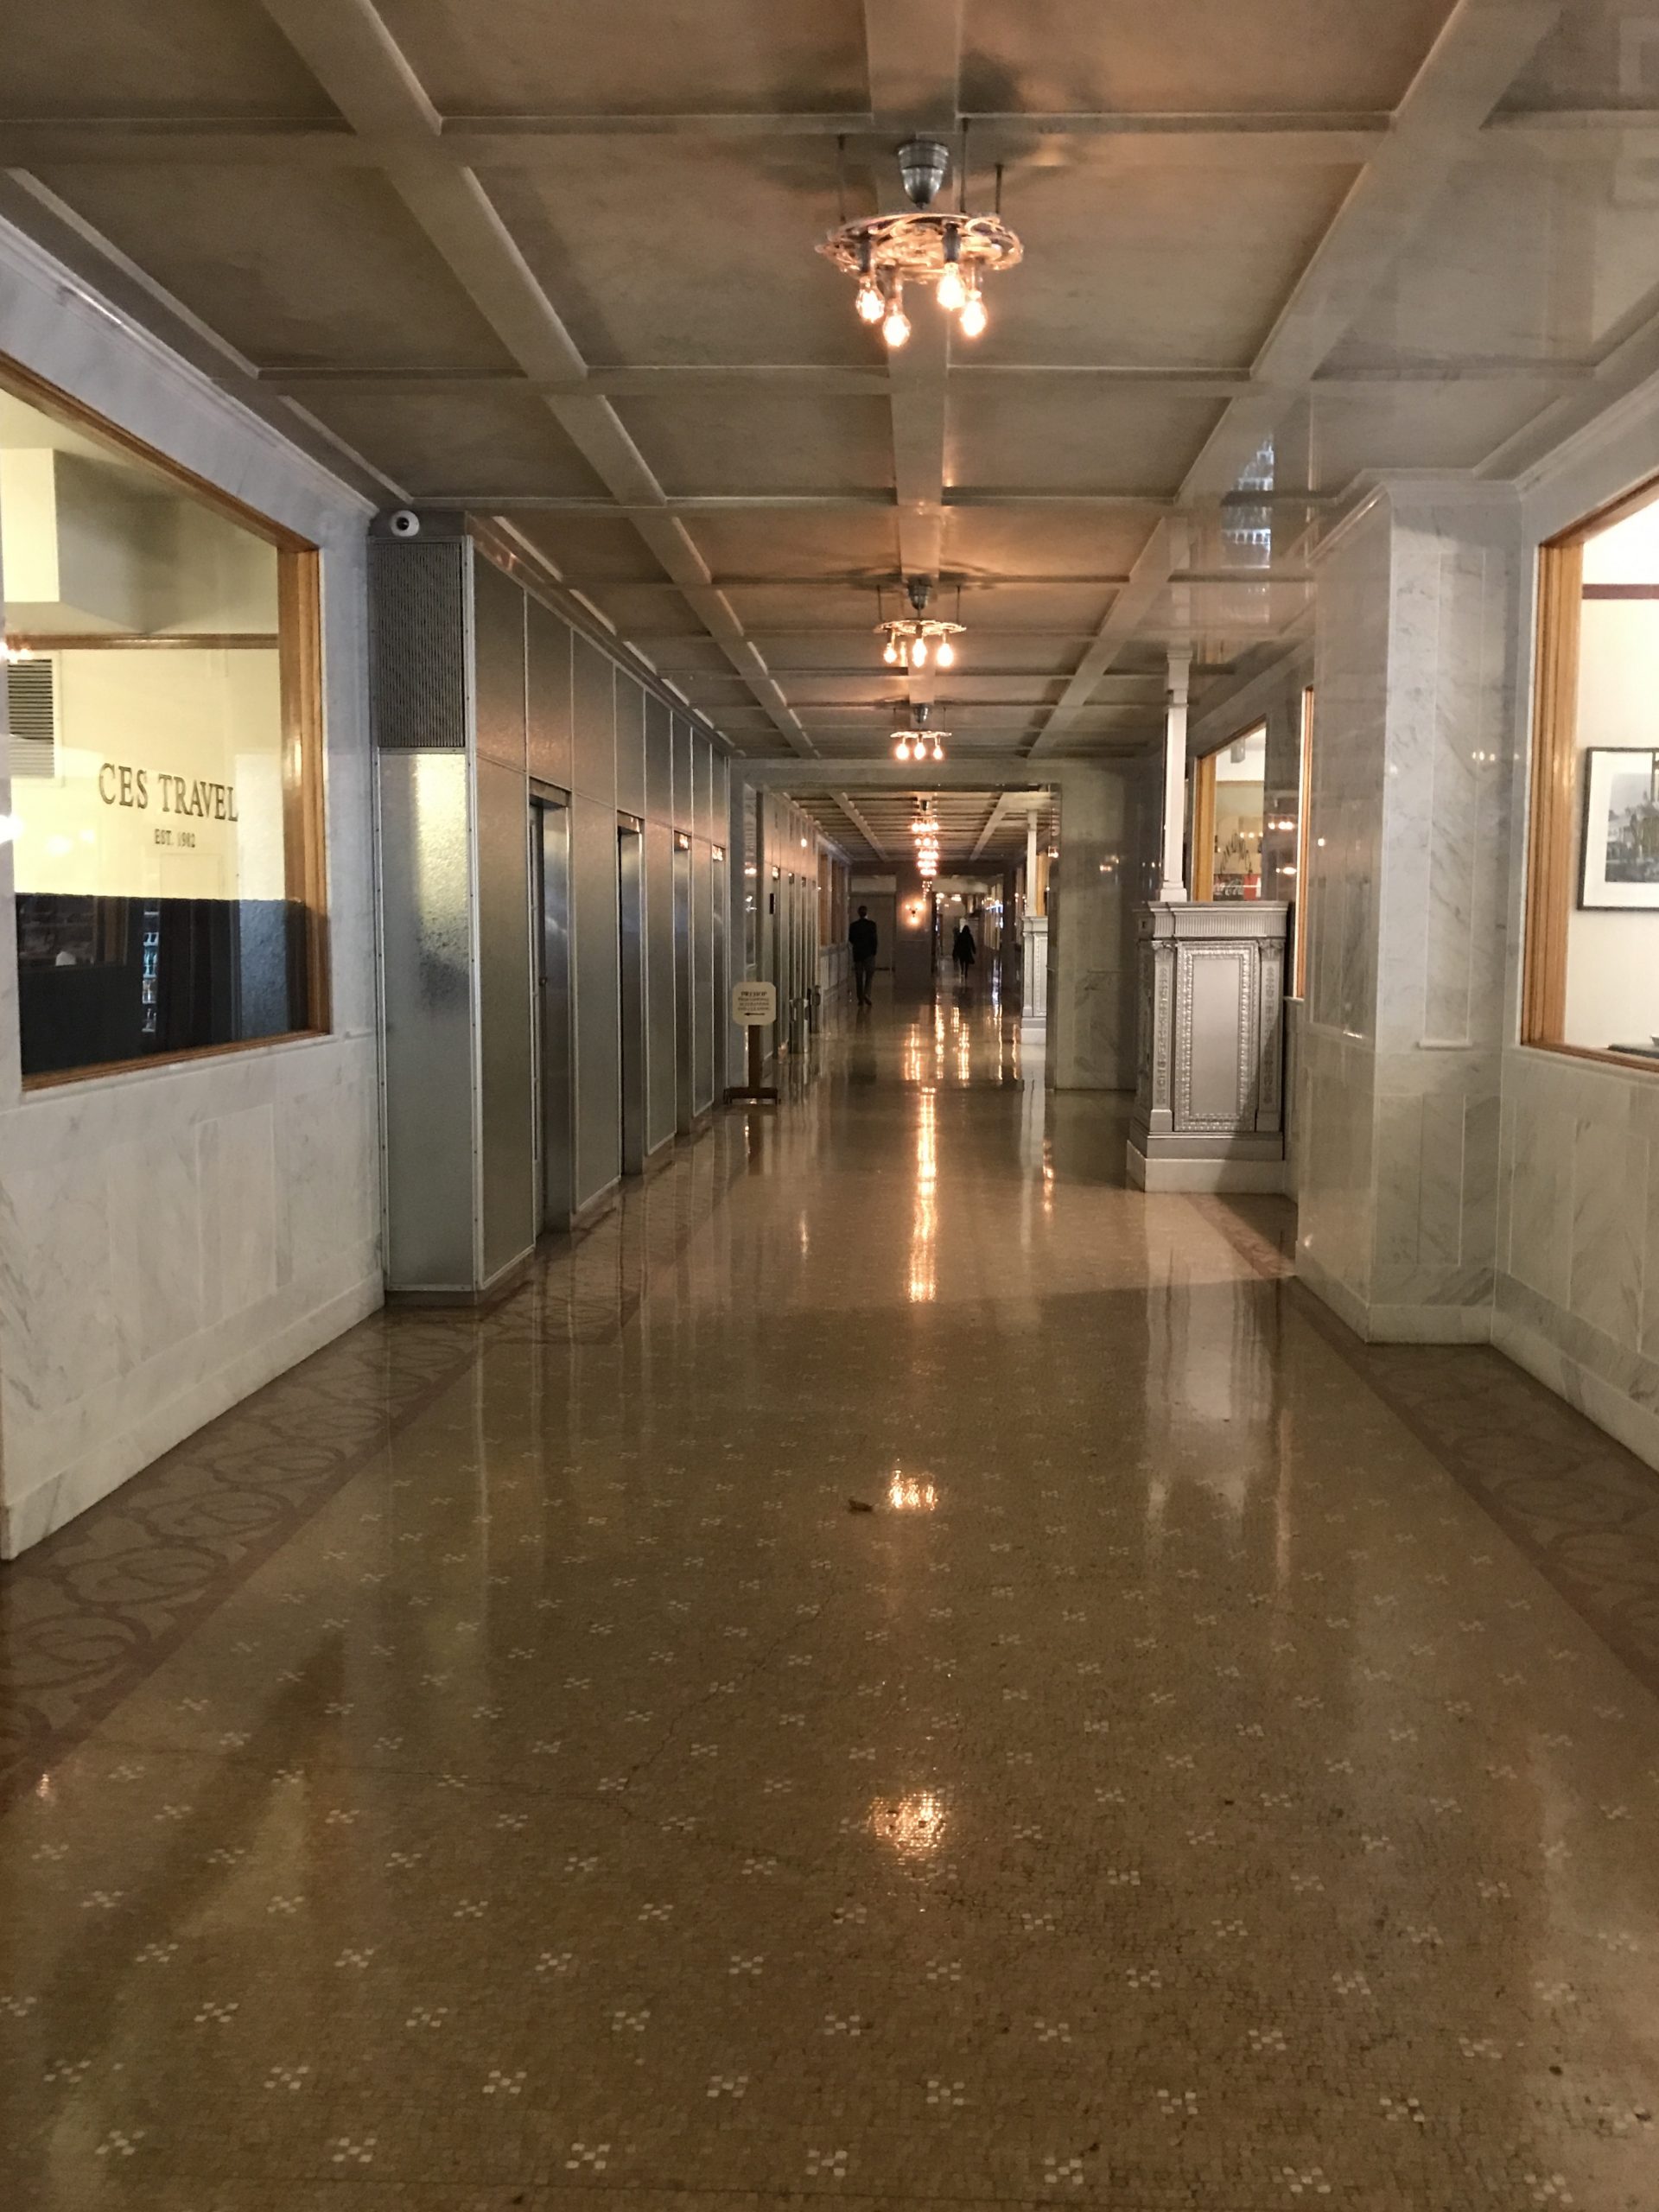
(910, 638)
(918, 740)
(947, 247)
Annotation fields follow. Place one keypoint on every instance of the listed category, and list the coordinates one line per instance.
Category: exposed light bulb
(946, 654)
(891, 654)
(951, 293)
(939, 750)
(903, 748)
(896, 328)
(972, 319)
(918, 653)
(870, 304)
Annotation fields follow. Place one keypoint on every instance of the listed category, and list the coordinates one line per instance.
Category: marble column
(1398, 1049)
(1091, 1007)
(1171, 886)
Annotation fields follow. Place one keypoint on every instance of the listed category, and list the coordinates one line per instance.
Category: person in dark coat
(864, 941)
(964, 952)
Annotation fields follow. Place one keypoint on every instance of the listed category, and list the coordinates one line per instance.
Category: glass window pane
(155, 808)
(1241, 781)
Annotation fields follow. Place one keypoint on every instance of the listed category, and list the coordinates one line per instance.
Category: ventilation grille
(417, 645)
(31, 712)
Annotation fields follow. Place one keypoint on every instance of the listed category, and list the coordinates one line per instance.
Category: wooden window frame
(1304, 842)
(1203, 829)
(299, 645)
(1551, 861)
(1203, 809)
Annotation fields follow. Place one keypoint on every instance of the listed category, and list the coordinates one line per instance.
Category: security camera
(405, 523)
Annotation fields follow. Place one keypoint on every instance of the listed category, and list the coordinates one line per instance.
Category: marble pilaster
(1399, 1047)
(1092, 997)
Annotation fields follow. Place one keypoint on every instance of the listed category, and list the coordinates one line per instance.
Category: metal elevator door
(549, 853)
(631, 922)
(684, 1012)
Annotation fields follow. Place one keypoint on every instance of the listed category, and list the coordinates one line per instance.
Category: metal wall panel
(593, 704)
(685, 803)
(506, 1110)
(659, 761)
(548, 734)
(703, 938)
(703, 787)
(498, 678)
(684, 1002)
(598, 983)
(629, 744)
(427, 967)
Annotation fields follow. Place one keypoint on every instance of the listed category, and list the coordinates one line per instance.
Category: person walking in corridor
(864, 941)
(964, 952)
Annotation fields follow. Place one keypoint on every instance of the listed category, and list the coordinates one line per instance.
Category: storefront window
(1593, 964)
(161, 686)
(1229, 804)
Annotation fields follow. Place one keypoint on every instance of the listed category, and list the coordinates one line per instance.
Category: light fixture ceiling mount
(948, 248)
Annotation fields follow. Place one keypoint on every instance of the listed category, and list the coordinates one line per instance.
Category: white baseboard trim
(1599, 1401)
(1395, 1325)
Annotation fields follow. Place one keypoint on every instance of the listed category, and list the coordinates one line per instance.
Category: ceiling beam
(1482, 46)
(354, 58)
(808, 380)
(858, 823)
(984, 772)
(1006, 802)
(520, 140)
(965, 497)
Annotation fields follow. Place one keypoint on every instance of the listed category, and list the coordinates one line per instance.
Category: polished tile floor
(896, 1671)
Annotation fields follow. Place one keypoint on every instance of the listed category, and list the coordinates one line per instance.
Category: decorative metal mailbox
(1209, 1104)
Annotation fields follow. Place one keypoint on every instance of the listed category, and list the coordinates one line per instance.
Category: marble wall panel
(172, 1238)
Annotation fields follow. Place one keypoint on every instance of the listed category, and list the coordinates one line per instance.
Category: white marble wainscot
(169, 1243)
(1332, 1115)
(1578, 1259)
(173, 1236)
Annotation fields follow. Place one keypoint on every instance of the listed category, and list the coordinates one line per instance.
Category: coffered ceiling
(555, 262)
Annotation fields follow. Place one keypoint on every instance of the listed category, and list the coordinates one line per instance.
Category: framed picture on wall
(1621, 829)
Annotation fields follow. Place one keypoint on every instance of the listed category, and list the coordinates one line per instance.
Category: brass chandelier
(920, 740)
(949, 249)
(910, 638)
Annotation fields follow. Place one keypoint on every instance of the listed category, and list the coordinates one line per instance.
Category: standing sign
(754, 1004)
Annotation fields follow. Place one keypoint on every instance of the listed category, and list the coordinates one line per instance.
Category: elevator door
(549, 855)
(685, 1012)
(631, 922)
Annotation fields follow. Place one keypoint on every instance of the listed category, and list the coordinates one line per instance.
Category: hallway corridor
(896, 1671)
